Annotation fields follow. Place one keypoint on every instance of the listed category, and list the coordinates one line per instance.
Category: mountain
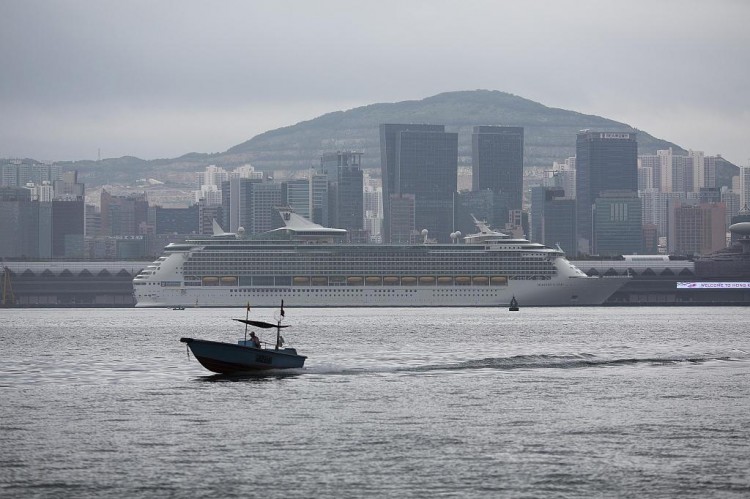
(549, 135)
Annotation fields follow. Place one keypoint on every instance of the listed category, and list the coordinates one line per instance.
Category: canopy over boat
(261, 324)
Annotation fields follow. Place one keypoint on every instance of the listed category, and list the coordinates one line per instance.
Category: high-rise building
(68, 223)
(389, 134)
(744, 185)
(319, 199)
(604, 161)
(652, 162)
(345, 189)
(17, 210)
(403, 228)
(207, 213)
(618, 229)
(123, 215)
(67, 187)
(296, 194)
(697, 229)
(421, 160)
(176, 220)
(497, 161)
(250, 204)
(700, 176)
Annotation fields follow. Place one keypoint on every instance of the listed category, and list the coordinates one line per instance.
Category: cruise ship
(308, 265)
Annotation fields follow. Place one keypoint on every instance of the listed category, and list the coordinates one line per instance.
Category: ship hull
(567, 291)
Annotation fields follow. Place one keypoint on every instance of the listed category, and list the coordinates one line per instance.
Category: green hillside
(550, 135)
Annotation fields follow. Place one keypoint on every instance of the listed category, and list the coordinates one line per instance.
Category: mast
(278, 326)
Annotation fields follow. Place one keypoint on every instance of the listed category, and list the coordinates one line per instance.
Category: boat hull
(228, 358)
(564, 291)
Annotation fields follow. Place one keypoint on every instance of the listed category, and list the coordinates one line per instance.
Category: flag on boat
(282, 308)
(248, 307)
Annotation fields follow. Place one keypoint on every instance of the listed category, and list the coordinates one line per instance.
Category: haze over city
(160, 79)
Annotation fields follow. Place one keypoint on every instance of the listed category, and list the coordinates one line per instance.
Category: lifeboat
(480, 279)
(498, 280)
(319, 281)
(444, 281)
(353, 281)
(301, 281)
(463, 280)
(373, 281)
(408, 281)
(390, 280)
(427, 280)
(228, 281)
(210, 281)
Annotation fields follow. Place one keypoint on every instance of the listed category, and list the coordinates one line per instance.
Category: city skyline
(146, 80)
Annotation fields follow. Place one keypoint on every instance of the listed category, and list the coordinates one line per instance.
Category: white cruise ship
(306, 265)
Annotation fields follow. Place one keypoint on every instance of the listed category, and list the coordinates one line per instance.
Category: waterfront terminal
(720, 279)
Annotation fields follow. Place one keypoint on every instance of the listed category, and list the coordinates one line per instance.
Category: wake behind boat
(247, 356)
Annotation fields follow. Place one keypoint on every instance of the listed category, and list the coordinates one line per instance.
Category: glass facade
(497, 161)
(604, 161)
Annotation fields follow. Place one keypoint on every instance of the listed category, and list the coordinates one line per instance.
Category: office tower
(421, 160)
(618, 229)
(345, 179)
(265, 197)
(207, 213)
(319, 199)
(650, 240)
(18, 210)
(553, 218)
(176, 220)
(68, 223)
(68, 187)
(604, 161)
(250, 204)
(389, 134)
(123, 215)
(93, 221)
(697, 229)
(497, 161)
(559, 224)
(296, 194)
(403, 228)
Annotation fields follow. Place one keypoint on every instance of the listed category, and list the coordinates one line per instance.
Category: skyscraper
(618, 226)
(345, 179)
(497, 161)
(389, 134)
(604, 161)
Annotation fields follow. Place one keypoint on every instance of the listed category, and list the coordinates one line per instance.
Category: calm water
(594, 402)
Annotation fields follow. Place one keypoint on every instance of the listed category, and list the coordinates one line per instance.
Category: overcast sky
(158, 79)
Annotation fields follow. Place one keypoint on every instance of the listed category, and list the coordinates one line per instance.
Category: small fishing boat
(247, 356)
(178, 308)
(513, 307)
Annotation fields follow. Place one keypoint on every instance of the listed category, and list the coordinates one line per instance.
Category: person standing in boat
(254, 339)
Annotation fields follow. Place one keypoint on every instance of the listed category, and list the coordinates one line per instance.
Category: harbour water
(548, 402)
